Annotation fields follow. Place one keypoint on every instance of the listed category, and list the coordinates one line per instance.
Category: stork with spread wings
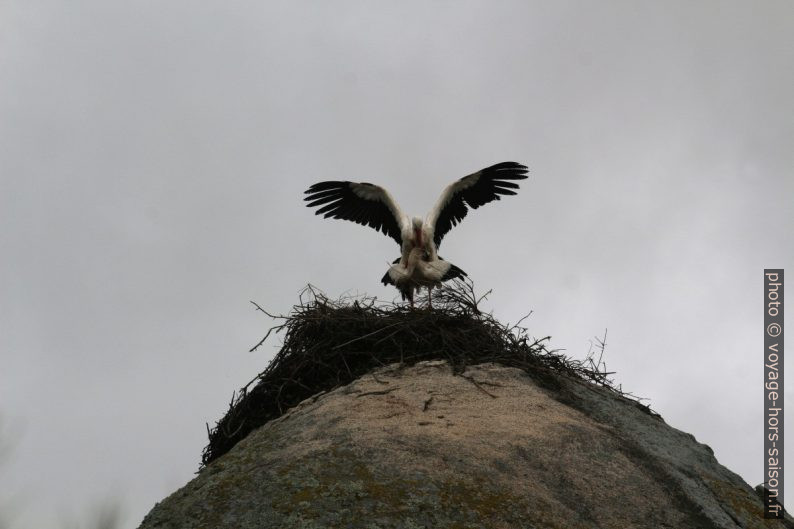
(419, 264)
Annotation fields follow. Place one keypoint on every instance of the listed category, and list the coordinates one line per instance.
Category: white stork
(420, 271)
(371, 205)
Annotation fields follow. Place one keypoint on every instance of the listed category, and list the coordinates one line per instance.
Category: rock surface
(420, 447)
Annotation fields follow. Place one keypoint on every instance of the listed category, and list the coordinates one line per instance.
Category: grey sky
(153, 157)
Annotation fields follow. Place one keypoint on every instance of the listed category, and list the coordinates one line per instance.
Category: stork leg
(430, 297)
(411, 297)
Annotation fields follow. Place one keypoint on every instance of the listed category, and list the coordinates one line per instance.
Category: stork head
(417, 226)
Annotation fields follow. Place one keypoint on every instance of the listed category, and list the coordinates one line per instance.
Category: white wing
(474, 190)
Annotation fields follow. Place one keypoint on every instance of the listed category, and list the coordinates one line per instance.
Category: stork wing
(474, 190)
(363, 203)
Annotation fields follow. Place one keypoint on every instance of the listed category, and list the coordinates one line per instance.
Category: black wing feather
(475, 190)
(339, 200)
(453, 273)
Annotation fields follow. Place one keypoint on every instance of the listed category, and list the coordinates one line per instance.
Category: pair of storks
(419, 264)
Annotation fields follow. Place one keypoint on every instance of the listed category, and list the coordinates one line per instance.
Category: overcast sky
(153, 157)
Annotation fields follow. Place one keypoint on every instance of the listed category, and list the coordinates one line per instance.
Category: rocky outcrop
(419, 447)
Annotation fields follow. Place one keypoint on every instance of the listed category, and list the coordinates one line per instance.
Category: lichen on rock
(438, 451)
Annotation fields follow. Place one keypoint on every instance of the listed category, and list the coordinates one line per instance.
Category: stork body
(418, 272)
(371, 205)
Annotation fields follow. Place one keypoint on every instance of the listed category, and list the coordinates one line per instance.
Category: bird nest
(330, 343)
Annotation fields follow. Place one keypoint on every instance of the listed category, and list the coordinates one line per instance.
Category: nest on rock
(330, 343)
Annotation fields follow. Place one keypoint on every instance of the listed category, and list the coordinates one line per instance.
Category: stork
(371, 205)
(418, 272)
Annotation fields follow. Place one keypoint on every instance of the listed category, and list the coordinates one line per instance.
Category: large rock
(422, 448)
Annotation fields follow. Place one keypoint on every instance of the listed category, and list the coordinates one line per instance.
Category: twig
(376, 331)
(427, 403)
(377, 392)
(478, 386)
